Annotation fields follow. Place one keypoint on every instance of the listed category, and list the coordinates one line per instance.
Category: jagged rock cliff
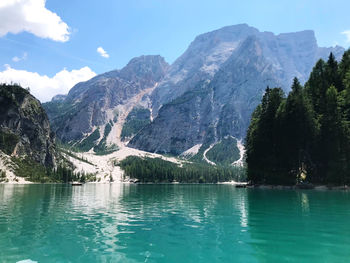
(24, 127)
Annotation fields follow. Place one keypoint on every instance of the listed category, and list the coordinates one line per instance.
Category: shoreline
(245, 185)
(296, 187)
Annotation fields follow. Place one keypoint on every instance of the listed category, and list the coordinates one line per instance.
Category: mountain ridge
(208, 93)
(234, 90)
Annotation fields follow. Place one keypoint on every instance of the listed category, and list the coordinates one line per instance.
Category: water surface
(172, 223)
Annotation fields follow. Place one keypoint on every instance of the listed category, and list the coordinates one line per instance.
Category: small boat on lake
(241, 185)
(76, 184)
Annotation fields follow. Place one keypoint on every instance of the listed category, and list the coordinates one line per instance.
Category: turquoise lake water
(172, 223)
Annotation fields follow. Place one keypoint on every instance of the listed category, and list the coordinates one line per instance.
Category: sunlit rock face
(212, 89)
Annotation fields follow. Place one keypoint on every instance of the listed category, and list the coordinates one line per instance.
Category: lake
(172, 223)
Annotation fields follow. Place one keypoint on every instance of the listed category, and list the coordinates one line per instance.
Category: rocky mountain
(24, 127)
(229, 82)
(206, 95)
(101, 105)
(291, 54)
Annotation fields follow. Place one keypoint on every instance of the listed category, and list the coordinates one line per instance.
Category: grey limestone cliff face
(211, 90)
(180, 124)
(213, 109)
(200, 62)
(24, 127)
(90, 104)
(292, 54)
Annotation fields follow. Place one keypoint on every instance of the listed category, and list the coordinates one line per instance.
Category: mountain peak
(146, 59)
(145, 65)
(224, 34)
(305, 38)
(304, 34)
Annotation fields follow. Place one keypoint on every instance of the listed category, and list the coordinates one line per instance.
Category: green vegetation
(13, 93)
(65, 174)
(3, 176)
(67, 147)
(13, 96)
(225, 152)
(33, 108)
(61, 111)
(160, 171)
(102, 148)
(305, 134)
(115, 115)
(31, 170)
(209, 139)
(107, 150)
(198, 158)
(71, 154)
(34, 172)
(89, 141)
(136, 120)
(8, 142)
(102, 144)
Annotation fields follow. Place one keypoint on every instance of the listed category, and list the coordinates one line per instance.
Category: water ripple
(172, 223)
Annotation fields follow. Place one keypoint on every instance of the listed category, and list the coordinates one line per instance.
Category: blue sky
(65, 35)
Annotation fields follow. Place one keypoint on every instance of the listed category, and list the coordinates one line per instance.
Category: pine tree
(261, 138)
(334, 141)
(317, 86)
(311, 128)
(332, 74)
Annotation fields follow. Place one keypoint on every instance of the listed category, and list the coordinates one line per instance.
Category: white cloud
(102, 52)
(42, 86)
(347, 34)
(17, 59)
(31, 16)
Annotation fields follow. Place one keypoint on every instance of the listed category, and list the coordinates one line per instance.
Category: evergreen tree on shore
(308, 130)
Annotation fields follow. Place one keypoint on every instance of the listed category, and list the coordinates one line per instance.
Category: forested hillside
(304, 137)
(148, 170)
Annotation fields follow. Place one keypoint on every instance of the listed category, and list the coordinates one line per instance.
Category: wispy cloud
(17, 59)
(31, 16)
(347, 34)
(102, 52)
